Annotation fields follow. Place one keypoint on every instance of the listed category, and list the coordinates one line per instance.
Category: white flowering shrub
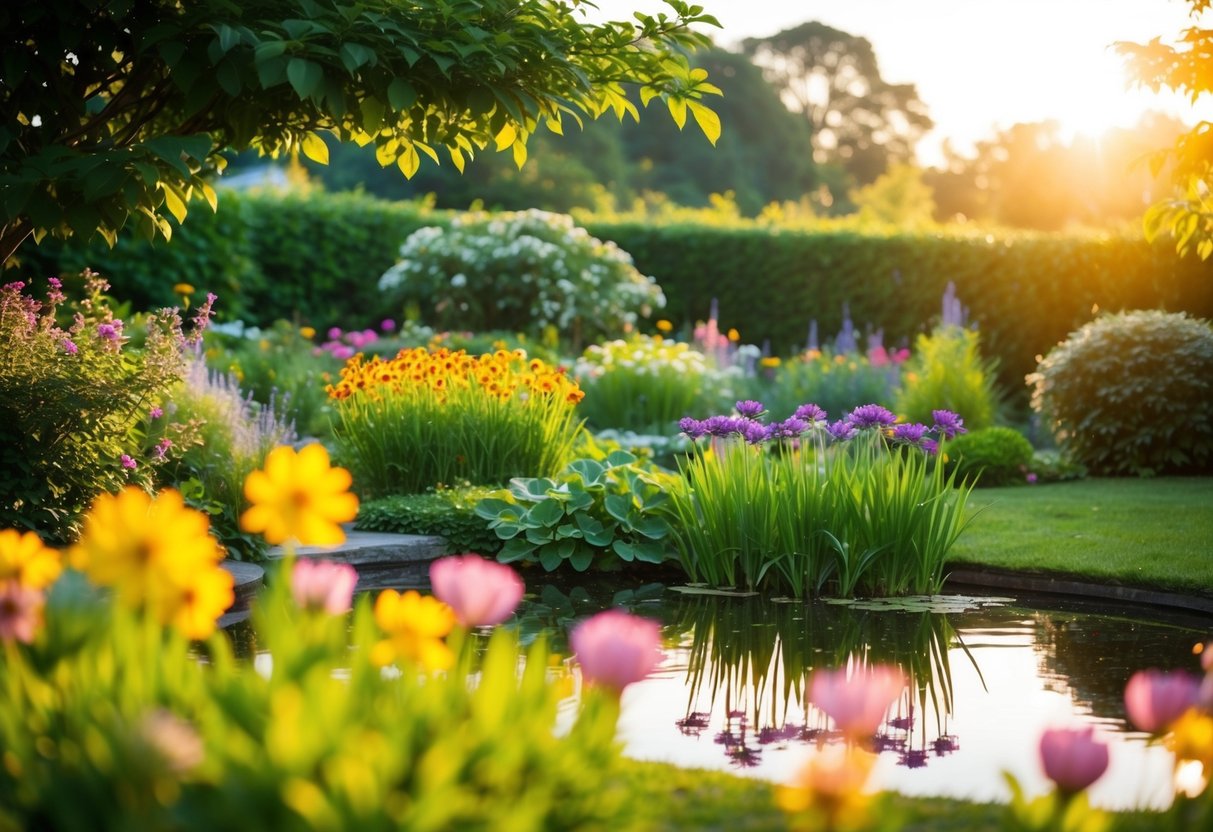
(522, 272)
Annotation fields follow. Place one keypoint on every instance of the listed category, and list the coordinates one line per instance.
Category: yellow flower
(299, 496)
(158, 555)
(664, 326)
(770, 361)
(1192, 737)
(307, 332)
(183, 289)
(25, 559)
(828, 791)
(415, 625)
(734, 335)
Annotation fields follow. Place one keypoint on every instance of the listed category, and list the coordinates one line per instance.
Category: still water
(987, 675)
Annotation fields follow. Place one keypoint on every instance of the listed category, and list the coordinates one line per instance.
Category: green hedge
(1026, 292)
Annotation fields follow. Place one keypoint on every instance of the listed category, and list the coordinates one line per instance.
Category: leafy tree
(115, 112)
(898, 197)
(832, 78)
(1186, 67)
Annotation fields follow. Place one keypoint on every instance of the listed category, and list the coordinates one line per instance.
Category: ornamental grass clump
(425, 419)
(644, 384)
(811, 507)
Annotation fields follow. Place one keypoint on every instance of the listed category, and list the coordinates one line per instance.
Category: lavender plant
(74, 397)
(810, 507)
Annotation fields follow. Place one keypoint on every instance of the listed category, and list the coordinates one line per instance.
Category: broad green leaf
(618, 506)
(305, 76)
(588, 470)
(515, 550)
(401, 94)
(354, 55)
(547, 513)
(581, 559)
(550, 558)
(491, 508)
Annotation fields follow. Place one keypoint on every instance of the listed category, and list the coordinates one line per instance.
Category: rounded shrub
(1132, 394)
(992, 456)
(522, 272)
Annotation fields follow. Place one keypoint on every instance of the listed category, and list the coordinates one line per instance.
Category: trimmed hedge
(1025, 291)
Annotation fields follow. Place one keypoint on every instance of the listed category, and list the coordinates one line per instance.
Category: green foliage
(836, 382)
(991, 456)
(645, 384)
(73, 402)
(139, 99)
(146, 736)
(946, 370)
(1025, 292)
(859, 518)
(520, 271)
(235, 434)
(898, 197)
(1132, 394)
(592, 513)
(449, 513)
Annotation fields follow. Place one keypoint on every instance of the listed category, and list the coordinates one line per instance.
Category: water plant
(805, 506)
(429, 418)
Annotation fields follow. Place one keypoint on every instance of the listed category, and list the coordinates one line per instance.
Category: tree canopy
(116, 112)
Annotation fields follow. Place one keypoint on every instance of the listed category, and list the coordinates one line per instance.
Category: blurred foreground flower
(1072, 758)
(298, 496)
(323, 585)
(1154, 699)
(20, 612)
(858, 701)
(480, 592)
(415, 625)
(827, 794)
(616, 649)
(24, 558)
(157, 554)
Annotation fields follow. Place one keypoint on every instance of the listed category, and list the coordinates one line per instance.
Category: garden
(743, 522)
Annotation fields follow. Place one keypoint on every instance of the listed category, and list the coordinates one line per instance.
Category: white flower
(459, 281)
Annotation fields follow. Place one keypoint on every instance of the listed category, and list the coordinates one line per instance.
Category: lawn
(1155, 533)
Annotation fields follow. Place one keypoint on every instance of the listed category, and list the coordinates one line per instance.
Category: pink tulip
(616, 649)
(1072, 758)
(1154, 699)
(20, 612)
(857, 703)
(322, 585)
(481, 592)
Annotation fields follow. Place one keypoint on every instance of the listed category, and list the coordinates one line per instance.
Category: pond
(987, 674)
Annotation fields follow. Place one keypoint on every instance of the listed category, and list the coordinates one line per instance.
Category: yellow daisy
(299, 496)
(415, 625)
(24, 558)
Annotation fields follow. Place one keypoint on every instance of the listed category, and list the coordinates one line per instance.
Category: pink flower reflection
(481, 592)
(857, 702)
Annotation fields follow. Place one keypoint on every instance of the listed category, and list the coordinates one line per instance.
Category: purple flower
(930, 446)
(155, 412)
(790, 428)
(127, 462)
(108, 332)
(55, 282)
(871, 416)
(721, 425)
(750, 409)
(1031, 478)
(810, 413)
(754, 432)
(691, 427)
(842, 430)
(387, 325)
(335, 333)
(69, 346)
(911, 434)
(162, 447)
(947, 423)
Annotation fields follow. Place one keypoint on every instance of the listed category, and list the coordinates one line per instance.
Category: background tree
(114, 112)
(1187, 67)
(857, 118)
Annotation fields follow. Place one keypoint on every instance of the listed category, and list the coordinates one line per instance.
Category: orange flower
(828, 791)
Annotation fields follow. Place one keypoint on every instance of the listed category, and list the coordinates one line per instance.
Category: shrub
(991, 456)
(522, 272)
(448, 512)
(946, 370)
(837, 382)
(644, 384)
(424, 419)
(1132, 394)
(72, 402)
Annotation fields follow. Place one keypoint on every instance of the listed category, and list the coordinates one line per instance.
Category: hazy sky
(982, 63)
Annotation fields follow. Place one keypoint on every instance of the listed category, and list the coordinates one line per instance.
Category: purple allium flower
(930, 446)
(719, 425)
(334, 333)
(790, 428)
(107, 332)
(155, 412)
(754, 432)
(911, 434)
(750, 409)
(871, 416)
(691, 427)
(387, 325)
(69, 346)
(842, 430)
(128, 462)
(810, 413)
(947, 423)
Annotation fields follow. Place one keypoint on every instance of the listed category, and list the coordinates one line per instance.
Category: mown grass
(1155, 533)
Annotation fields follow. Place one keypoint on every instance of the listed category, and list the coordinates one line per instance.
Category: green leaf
(492, 508)
(355, 55)
(547, 513)
(589, 471)
(515, 550)
(305, 76)
(619, 506)
(582, 559)
(625, 550)
(401, 94)
(550, 558)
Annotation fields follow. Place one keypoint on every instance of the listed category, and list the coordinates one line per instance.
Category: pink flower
(616, 649)
(69, 347)
(387, 325)
(1072, 758)
(857, 703)
(20, 612)
(128, 462)
(155, 413)
(1154, 699)
(323, 585)
(334, 333)
(1031, 478)
(481, 592)
(161, 449)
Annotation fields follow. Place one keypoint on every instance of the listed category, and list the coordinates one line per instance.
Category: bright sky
(981, 64)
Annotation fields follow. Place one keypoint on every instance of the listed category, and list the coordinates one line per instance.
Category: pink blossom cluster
(344, 345)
